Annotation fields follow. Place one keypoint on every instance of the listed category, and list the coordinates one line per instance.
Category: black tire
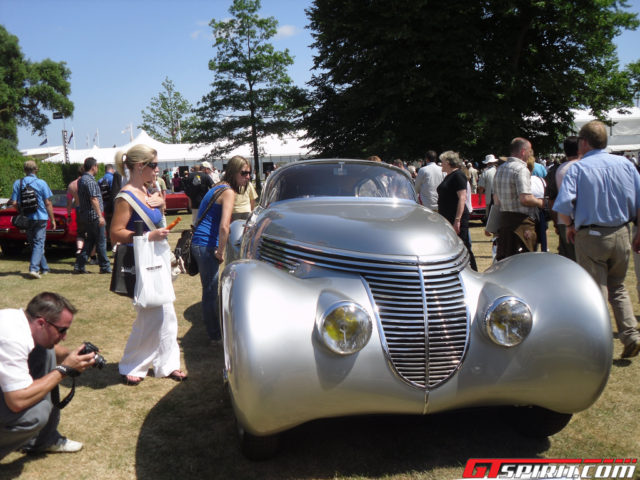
(538, 422)
(11, 249)
(257, 448)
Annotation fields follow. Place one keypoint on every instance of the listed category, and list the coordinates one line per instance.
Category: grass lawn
(167, 430)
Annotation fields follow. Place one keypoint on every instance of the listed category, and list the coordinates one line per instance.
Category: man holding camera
(32, 364)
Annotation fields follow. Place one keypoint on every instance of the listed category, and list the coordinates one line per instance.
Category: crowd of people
(32, 363)
(591, 196)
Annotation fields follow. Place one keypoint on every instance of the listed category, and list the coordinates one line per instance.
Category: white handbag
(154, 287)
(154, 279)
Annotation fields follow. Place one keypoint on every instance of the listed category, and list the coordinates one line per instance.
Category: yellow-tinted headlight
(508, 321)
(345, 328)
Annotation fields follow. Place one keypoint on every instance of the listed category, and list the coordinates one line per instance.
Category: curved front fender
(280, 374)
(562, 365)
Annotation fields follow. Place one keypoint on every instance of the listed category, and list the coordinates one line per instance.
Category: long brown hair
(235, 166)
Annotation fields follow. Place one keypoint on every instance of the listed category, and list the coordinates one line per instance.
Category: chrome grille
(421, 305)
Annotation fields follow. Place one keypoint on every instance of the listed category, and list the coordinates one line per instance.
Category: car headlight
(345, 328)
(508, 321)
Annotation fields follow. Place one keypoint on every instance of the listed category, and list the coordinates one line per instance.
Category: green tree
(395, 78)
(633, 70)
(252, 94)
(168, 118)
(27, 88)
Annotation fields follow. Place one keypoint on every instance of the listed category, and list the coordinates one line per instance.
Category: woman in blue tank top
(153, 342)
(211, 234)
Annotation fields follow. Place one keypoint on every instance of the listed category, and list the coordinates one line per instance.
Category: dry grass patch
(165, 430)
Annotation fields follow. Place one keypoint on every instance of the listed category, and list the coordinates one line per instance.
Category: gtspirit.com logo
(547, 468)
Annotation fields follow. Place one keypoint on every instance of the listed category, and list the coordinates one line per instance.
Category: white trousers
(153, 343)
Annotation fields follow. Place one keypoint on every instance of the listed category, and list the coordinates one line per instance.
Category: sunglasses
(61, 330)
(245, 173)
(151, 165)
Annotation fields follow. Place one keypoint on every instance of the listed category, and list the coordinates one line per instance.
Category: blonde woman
(452, 199)
(153, 340)
(245, 203)
(211, 234)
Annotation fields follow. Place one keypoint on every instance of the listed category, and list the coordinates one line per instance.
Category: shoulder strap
(210, 204)
(138, 209)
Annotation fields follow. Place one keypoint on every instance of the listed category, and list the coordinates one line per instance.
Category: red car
(478, 202)
(12, 240)
(177, 201)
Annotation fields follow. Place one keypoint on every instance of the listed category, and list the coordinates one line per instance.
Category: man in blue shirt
(602, 194)
(37, 229)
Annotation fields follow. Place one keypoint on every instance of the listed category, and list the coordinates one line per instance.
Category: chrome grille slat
(425, 345)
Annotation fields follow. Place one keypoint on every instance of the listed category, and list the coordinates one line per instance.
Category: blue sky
(120, 51)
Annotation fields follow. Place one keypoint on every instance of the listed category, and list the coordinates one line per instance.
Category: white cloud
(196, 34)
(287, 31)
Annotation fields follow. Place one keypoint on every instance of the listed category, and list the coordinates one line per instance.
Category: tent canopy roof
(188, 152)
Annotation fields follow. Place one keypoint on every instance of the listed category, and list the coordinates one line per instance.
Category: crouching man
(32, 364)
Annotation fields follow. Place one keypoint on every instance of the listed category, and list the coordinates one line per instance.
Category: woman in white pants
(153, 342)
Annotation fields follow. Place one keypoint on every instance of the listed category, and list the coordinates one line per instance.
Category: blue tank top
(154, 214)
(206, 234)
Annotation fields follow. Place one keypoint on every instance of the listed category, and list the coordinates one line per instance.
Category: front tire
(538, 422)
(11, 249)
(257, 448)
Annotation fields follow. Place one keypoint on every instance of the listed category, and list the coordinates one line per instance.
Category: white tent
(624, 135)
(274, 149)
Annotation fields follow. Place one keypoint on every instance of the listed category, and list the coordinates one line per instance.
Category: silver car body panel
(386, 255)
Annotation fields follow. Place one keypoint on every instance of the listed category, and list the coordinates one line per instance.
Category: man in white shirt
(29, 377)
(427, 181)
(211, 171)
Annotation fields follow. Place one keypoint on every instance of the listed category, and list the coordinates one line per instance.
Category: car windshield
(59, 199)
(339, 179)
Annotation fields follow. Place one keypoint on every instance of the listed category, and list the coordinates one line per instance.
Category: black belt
(602, 226)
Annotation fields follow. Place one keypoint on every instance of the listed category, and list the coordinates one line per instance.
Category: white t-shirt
(16, 342)
(427, 181)
(537, 186)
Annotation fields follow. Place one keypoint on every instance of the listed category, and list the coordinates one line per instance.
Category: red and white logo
(550, 468)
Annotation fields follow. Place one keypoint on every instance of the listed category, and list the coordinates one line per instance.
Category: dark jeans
(466, 239)
(96, 235)
(208, 265)
(35, 427)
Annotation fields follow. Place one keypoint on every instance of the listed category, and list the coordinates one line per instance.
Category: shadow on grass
(15, 468)
(191, 433)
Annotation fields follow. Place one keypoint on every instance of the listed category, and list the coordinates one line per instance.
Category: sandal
(131, 380)
(178, 376)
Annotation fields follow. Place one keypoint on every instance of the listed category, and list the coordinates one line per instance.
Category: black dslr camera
(99, 359)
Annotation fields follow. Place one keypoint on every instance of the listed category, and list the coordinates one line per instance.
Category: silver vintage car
(343, 296)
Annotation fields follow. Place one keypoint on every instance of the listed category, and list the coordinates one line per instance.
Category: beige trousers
(604, 252)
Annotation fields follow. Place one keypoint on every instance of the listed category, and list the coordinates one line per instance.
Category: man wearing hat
(485, 182)
(211, 171)
(197, 186)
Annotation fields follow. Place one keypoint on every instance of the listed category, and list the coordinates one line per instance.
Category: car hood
(377, 227)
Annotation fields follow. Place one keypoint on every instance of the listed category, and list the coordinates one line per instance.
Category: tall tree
(633, 70)
(27, 89)
(168, 119)
(252, 95)
(396, 78)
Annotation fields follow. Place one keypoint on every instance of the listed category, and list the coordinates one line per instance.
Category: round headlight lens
(508, 321)
(345, 328)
